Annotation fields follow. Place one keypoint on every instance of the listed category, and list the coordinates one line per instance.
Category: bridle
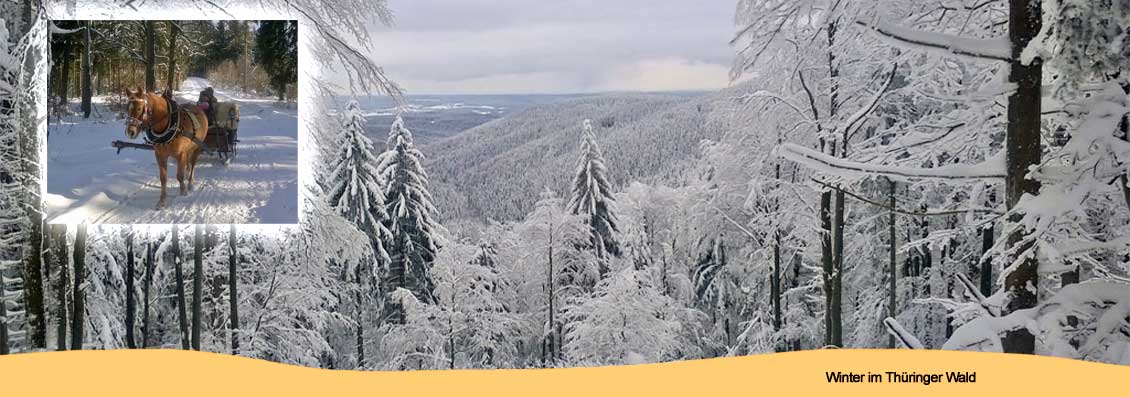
(146, 125)
(145, 112)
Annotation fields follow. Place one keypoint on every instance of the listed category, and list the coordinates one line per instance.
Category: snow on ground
(88, 181)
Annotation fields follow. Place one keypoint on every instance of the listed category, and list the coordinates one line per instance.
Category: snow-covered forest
(882, 174)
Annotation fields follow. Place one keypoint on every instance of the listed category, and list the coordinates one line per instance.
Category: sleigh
(222, 136)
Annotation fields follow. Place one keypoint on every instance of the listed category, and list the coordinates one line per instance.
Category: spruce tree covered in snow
(356, 191)
(717, 290)
(414, 233)
(592, 197)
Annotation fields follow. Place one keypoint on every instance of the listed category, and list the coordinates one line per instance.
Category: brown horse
(148, 110)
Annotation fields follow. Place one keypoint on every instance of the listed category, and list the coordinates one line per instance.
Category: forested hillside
(497, 170)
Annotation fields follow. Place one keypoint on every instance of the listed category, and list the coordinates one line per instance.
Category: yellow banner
(828, 372)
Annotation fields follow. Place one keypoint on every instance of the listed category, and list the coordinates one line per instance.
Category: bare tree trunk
(32, 272)
(451, 343)
(233, 289)
(170, 79)
(3, 315)
(838, 270)
(197, 284)
(217, 283)
(33, 281)
(131, 298)
(64, 77)
(987, 233)
(360, 330)
(87, 90)
(31, 179)
(181, 309)
(150, 56)
(893, 267)
(794, 344)
(149, 269)
(552, 292)
(58, 251)
(832, 223)
(1022, 151)
(775, 281)
(826, 260)
(79, 309)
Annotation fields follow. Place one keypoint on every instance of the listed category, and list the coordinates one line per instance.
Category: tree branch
(857, 118)
(989, 169)
(997, 49)
(907, 212)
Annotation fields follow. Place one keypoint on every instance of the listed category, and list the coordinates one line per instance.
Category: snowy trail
(89, 182)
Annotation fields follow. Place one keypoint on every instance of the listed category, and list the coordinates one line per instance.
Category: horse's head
(137, 111)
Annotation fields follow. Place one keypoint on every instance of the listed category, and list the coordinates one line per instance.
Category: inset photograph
(160, 122)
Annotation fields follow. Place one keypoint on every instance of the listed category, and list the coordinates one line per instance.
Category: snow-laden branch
(997, 48)
(1101, 308)
(975, 294)
(854, 122)
(736, 224)
(57, 30)
(361, 71)
(906, 212)
(992, 168)
(1072, 248)
(770, 95)
(905, 338)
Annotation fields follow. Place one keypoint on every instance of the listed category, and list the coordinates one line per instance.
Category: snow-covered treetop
(398, 133)
(590, 185)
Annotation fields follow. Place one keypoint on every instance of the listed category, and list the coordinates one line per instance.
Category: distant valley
(434, 117)
(489, 157)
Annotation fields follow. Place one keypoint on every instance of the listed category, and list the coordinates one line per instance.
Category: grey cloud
(578, 42)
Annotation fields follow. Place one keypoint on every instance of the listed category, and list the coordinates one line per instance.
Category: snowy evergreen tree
(414, 232)
(356, 190)
(592, 197)
(356, 193)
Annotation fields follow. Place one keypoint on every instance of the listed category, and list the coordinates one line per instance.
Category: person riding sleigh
(207, 103)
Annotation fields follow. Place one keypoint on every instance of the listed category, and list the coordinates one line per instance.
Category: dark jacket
(208, 95)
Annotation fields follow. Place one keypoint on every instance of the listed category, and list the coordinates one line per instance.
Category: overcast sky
(556, 46)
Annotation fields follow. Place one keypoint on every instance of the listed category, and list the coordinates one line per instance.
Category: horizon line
(697, 91)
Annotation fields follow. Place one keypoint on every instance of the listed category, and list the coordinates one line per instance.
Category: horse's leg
(162, 165)
(182, 163)
(192, 167)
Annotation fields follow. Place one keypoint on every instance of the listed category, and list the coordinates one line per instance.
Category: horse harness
(157, 138)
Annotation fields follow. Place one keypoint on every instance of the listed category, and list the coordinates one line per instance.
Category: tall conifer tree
(414, 231)
(592, 197)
